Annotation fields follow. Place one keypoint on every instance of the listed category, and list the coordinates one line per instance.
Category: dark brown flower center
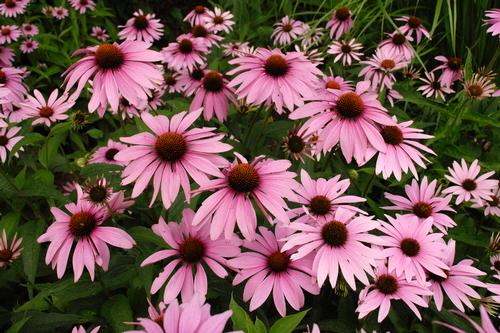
(199, 9)
(3, 77)
(410, 247)
(159, 320)
(494, 201)
(170, 146)
(218, 19)
(388, 64)
(29, 44)
(422, 209)
(345, 48)
(82, 224)
(496, 264)
(454, 63)
(109, 56)
(186, 46)
(10, 3)
(141, 22)
(28, 27)
(414, 22)
(387, 284)
(342, 13)
(475, 90)
(278, 262)
(170, 80)
(84, 2)
(213, 81)
(334, 233)
(320, 205)
(287, 27)
(276, 65)
(332, 84)
(98, 194)
(295, 144)
(436, 85)
(110, 154)
(392, 135)
(192, 250)
(4, 140)
(437, 278)
(199, 31)
(59, 12)
(469, 184)
(5, 255)
(398, 39)
(46, 111)
(243, 178)
(197, 74)
(5, 31)
(350, 105)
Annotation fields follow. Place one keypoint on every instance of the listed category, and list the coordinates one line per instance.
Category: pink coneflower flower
(118, 70)
(495, 263)
(29, 30)
(319, 199)
(155, 100)
(155, 319)
(142, 27)
(423, 202)
(81, 329)
(186, 52)
(12, 79)
(9, 253)
(270, 269)
(458, 281)
(381, 66)
(491, 206)
(266, 181)
(299, 144)
(8, 140)
(6, 57)
(273, 77)
(340, 22)
(401, 150)
(452, 70)
(46, 112)
(347, 51)
(97, 191)
(311, 37)
(479, 87)
(389, 286)
(333, 82)
(60, 13)
(99, 33)
(213, 95)
(493, 18)
(235, 49)
(28, 46)
(411, 247)
(350, 117)
(12, 8)
(206, 34)
(219, 21)
(189, 317)
(485, 327)
(398, 43)
(170, 154)
(287, 30)
(467, 183)
(337, 244)
(82, 6)
(392, 96)
(83, 225)
(191, 249)
(433, 87)
(413, 26)
(48, 11)
(314, 55)
(173, 83)
(199, 15)
(9, 34)
(191, 80)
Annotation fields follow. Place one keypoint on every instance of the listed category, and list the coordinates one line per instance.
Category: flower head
(346, 51)
(413, 26)
(186, 52)
(493, 19)
(287, 30)
(29, 30)
(467, 184)
(59, 13)
(299, 144)
(398, 43)
(46, 111)
(340, 22)
(9, 253)
(28, 46)
(199, 15)
(269, 269)
(479, 87)
(107, 153)
(491, 206)
(169, 153)
(9, 34)
(451, 70)
(381, 66)
(142, 27)
(217, 20)
(99, 33)
(83, 5)
(12, 8)
(273, 77)
(8, 140)
(12, 79)
(266, 181)
(189, 249)
(433, 87)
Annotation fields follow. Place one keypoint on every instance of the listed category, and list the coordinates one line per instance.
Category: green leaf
(28, 139)
(240, 318)
(260, 327)
(18, 325)
(142, 234)
(49, 149)
(98, 169)
(31, 249)
(9, 222)
(288, 323)
(95, 133)
(117, 311)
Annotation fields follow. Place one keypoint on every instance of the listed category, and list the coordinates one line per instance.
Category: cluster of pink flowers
(314, 232)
